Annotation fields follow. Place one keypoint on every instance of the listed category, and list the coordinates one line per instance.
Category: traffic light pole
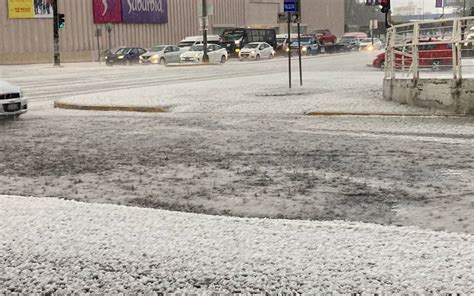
(205, 57)
(56, 55)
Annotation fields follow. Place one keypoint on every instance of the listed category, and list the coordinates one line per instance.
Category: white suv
(12, 102)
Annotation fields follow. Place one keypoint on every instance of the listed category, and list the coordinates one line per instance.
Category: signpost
(289, 8)
(98, 34)
(292, 10)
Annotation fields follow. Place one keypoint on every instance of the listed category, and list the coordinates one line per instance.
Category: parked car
(434, 56)
(325, 36)
(215, 52)
(366, 44)
(12, 102)
(190, 41)
(309, 45)
(161, 54)
(256, 51)
(124, 56)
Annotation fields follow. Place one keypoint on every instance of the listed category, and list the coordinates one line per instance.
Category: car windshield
(186, 43)
(232, 35)
(157, 48)
(281, 40)
(251, 45)
(197, 48)
(122, 51)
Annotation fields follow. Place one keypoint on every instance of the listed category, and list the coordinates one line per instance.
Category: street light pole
(205, 57)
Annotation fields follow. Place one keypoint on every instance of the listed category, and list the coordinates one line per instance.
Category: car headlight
(287, 49)
(237, 42)
(304, 49)
(237, 50)
(120, 57)
(253, 52)
(106, 57)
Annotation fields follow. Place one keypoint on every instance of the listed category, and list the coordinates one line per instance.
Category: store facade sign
(145, 11)
(21, 9)
(107, 11)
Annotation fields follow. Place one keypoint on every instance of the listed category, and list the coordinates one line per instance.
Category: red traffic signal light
(385, 6)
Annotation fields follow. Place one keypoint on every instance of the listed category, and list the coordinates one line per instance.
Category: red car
(433, 56)
(325, 36)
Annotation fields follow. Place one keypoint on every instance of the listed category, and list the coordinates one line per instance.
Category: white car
(190, 41)
(161, 54)
(215, 52)
(366, 44)
(256, 51)
(12, 102)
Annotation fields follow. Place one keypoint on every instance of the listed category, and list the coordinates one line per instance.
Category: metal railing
(442, 48)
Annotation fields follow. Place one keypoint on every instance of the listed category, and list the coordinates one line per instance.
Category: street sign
(373, 24)
(209, 9)
(203, 23)
(290, 6)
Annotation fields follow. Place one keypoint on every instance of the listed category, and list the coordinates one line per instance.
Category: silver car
(12, 102)
(161, 54)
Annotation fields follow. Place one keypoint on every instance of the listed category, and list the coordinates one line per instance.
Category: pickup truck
(325, 36)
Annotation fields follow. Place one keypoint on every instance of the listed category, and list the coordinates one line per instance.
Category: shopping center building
(26, 27)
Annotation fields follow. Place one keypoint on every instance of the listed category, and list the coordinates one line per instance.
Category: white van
(187, 42)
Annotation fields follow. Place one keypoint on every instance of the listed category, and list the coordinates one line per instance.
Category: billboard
(30, 9)
(145, 11)
(107, 11)
(130, 11)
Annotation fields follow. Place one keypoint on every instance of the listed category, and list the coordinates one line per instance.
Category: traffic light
(61, 21)
(385, 6)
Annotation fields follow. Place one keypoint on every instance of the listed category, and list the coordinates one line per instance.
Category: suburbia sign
(131, 11)
(145, 5)
(145, 11)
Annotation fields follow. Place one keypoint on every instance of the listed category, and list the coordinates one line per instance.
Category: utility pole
(56, 55)
(205, 57)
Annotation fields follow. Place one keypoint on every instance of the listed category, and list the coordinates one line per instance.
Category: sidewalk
(56, 246)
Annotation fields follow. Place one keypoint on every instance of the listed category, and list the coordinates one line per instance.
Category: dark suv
(124, 56)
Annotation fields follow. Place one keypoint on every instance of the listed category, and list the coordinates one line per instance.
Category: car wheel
(382, 66)
(271, 56)
(436, 65)
(257, 57)
(223, 59)
(162, 61)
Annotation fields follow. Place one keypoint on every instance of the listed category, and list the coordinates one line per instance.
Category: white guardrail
(442, 48)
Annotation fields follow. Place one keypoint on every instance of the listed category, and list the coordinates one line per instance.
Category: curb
(380, 114)
(177, 65)
(60, 105)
